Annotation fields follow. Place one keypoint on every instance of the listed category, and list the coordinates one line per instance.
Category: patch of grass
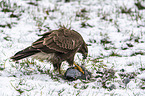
(79, 14)
(139, 5)
(129, 44)
(33, 3)
(137, 53)
(7, 38)
(6, 5)
(82, 14)
(142, 86)
(130, 75)
(115, 54)
(117, 26)
(81, 86)
(84, 25)
(13, 10)
(52, 74)
(105, 15)
(124, 48)
(5, 10)
(84, 10)
(40, 20)
(134, 38)
(24, 66)
(61, 91)
(8, 25)
(84, 87)
(136, 16)
(96, 60)
(137, 40)
(67, 0)
(15, 16)
(92, 41)
(21, 86)
(96, 65)
(125, 10)
(130, 64)
(2, 67)
(26, 69)
(105, 41)
(110, 47)
(142, 69)
(106, 75)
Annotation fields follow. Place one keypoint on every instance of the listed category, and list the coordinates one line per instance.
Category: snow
(16, 77)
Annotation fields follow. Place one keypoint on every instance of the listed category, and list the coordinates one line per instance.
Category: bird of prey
(56, 46)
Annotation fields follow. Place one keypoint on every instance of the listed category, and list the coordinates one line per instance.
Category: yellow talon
(80, 69)
(75, 67)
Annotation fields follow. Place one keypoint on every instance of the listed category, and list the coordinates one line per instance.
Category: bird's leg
(57, 67)
(77, 66)
(71, 62)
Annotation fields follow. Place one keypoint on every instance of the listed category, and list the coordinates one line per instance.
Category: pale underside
(44, 56)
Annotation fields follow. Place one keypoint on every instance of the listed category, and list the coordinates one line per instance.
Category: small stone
(126, 81)
(112, 87)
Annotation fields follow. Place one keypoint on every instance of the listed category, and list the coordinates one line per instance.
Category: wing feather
(62, 40)
(69, 40)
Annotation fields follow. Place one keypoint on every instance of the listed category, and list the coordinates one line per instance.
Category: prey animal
(56, 46)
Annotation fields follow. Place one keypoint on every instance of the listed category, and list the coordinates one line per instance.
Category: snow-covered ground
(113, 29)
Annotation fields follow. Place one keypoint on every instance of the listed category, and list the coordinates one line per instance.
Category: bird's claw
(78, 67)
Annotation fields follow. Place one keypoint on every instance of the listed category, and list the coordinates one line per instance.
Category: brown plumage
(56, 46)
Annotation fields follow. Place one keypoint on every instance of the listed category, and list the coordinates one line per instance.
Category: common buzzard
(56, 46)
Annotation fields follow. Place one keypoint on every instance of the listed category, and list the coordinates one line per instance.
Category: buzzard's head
(84, 50)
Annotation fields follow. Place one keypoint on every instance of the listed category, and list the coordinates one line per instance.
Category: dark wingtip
(13, 58)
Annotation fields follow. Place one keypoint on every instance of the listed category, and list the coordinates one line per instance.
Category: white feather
(44, 56)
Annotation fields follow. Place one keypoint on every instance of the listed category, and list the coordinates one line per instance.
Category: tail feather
(25, 53)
